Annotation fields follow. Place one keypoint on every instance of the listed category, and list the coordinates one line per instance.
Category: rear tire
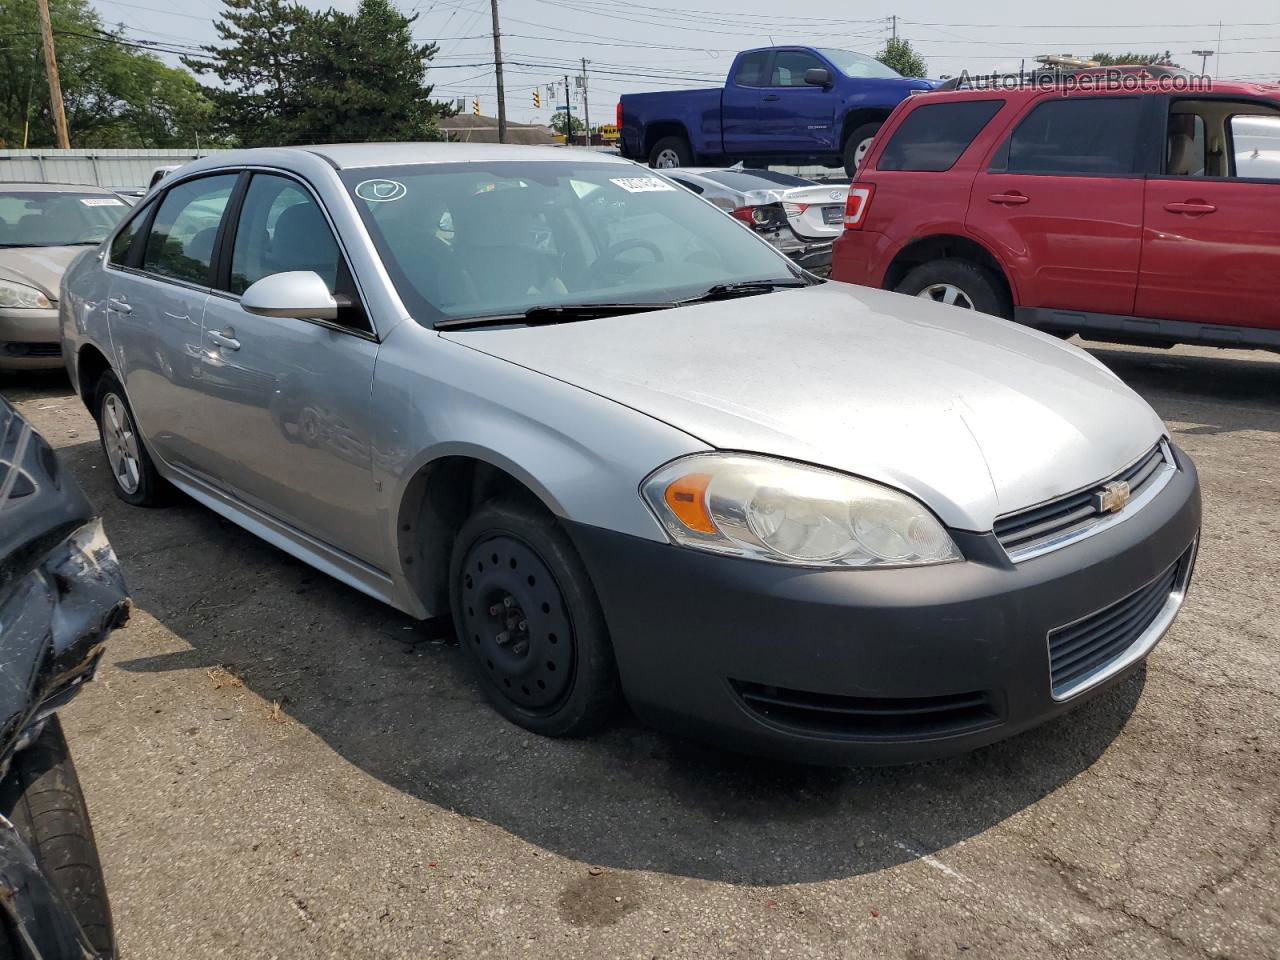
(669, 153)
(958, 282)
(855, 148)
(529, 622)
(41, 796)
(134, 476)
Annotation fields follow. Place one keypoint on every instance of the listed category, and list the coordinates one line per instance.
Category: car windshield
(755, 180)
(858, 64)
(57, 218)
(482, 239)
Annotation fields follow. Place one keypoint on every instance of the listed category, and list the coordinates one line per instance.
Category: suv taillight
(855, 208)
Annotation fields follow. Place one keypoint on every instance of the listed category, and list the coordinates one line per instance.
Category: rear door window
(180, 244)
(931, 138)
(750, 72)
(1256, 143)
(1080, 136)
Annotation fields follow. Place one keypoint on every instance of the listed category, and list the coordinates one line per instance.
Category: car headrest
(497, 218)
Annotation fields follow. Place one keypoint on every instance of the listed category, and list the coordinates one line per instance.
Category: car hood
(973, 415)
(39, 267)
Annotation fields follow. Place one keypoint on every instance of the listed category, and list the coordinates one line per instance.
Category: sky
(657, 45)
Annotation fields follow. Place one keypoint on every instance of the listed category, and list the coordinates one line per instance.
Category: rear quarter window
(933, 135)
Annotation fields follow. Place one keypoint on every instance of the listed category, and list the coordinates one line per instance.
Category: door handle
(772, 96)
(1192, 207)
(226, 341)
(118, 305)
(1011, 199)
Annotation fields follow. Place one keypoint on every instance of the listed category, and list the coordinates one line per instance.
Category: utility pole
(586, 107)
(895, 26)
(568, 114)
(497, 65)
(51, 68)
(1203, 55)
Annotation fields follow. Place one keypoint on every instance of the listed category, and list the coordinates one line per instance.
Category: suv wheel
(855, 148)
(529, 622)
(670, 152)
(957, 283)
(133, 474)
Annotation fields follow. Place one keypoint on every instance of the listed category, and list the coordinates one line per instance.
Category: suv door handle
(225, 340)
(118, 305)
(772, 96)
(1193, 207)
(1009, 198)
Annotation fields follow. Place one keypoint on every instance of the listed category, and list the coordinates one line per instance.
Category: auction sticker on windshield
(642, 184)
(101, 202)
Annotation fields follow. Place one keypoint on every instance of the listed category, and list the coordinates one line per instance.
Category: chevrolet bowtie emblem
(1114, 496)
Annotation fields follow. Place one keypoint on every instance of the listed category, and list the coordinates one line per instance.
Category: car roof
(347, 156)
(33, 187)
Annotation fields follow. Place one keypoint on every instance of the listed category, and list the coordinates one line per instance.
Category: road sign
(608, 132)
(562, 108)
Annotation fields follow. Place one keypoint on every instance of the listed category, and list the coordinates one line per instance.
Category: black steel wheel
(528, 621)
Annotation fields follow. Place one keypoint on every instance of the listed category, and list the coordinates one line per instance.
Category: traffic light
(537, 98)
(475, 106)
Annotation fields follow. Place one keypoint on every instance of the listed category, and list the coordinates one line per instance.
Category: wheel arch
(946, 246)
(655, 131)
(91, 364)
(857, 117)
(437, 499)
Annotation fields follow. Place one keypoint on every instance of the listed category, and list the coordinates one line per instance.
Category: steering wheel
(600, 269)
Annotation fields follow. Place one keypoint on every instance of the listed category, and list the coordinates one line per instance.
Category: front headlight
(769, 509)
(18, 296)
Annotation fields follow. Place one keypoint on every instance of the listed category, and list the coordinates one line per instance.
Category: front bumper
(872, 666)
(30, 340)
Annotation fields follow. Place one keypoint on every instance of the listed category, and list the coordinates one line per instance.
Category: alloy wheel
(514, 617)
(947, 293)
(120, 441)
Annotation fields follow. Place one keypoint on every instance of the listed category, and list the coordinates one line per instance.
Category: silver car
(43, 227)
(633, 451)
(799, 217)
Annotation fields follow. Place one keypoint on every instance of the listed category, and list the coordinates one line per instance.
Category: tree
(562, 119)
(114, 95)
(290, 75)
(1125, 59)
(899, 55)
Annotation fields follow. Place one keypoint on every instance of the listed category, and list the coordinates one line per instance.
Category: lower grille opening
(887, 718)
(1086, 648)
(34, 349)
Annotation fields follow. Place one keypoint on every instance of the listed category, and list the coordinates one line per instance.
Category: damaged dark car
(61, 595)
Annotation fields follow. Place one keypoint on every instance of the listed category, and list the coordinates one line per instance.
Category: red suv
(1140, 210)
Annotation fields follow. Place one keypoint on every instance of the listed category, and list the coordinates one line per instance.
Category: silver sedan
(634, 452)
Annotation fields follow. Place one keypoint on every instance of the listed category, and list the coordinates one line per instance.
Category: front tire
(856, 146)
(958, 283)
(671, 152)
(41, 796)
(529, 622)
(134, 476)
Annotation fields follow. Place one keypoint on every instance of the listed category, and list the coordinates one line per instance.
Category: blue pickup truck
(779, 105)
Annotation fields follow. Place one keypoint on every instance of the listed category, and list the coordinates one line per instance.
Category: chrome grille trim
(1159, 624)
(1150, 481)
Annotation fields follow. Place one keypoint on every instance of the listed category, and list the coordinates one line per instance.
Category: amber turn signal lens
(687, 498)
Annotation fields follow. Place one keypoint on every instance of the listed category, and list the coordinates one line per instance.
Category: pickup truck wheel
(855, 148)
(529, 622)
(670, 152)
(958, 283)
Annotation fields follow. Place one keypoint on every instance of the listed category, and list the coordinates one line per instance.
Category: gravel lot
(280, 767)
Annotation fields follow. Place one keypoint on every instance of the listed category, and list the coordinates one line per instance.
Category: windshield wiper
(744, 288)
(546, 315)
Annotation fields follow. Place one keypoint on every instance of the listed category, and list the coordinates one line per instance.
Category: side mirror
(818, 77)
(298, 293)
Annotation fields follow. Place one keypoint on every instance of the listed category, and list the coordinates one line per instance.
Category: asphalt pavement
(278, 766)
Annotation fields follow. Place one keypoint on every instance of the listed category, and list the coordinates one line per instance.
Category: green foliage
(289, 75)
(559, 122)
(899, 55)
(1126, 59)
(113, 95)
